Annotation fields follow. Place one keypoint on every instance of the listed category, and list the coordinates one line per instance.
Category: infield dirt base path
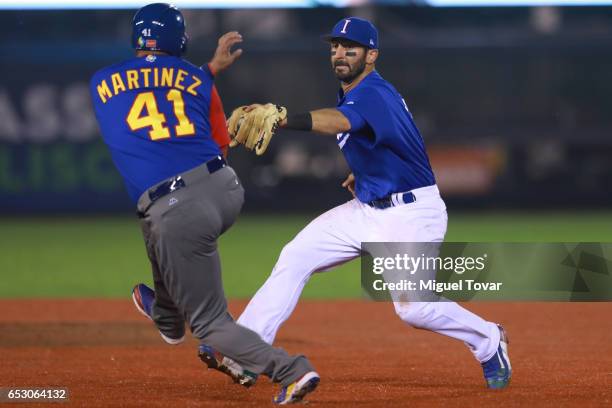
(108, 355)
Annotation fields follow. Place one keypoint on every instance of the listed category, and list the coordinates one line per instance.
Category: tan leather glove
(254, 129)
(235, 120)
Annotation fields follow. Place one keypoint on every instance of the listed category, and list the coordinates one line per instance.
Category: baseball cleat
(215, 360)
(143, 297)
(297, 390)
(498, 370)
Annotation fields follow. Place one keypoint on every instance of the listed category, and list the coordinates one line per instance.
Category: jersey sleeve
(367, 107)
(355, 119)
(217, 120)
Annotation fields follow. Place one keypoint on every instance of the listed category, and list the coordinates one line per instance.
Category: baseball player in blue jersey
(395, 198)
(163, 122)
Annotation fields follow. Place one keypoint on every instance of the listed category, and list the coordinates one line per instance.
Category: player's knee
(416, 314)
(292, 255)
(294, 262)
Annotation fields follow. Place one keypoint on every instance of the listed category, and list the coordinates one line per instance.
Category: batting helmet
(159, 27)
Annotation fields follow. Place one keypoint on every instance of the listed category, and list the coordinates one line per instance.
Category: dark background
(514, 103)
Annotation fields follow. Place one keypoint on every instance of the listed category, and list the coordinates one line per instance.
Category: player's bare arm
(328, 121)
(224, 56)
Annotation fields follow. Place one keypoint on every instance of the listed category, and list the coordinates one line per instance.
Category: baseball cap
(355, 29)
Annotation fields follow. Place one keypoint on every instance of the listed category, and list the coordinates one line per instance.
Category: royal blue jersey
(383, 148)
(154, 114)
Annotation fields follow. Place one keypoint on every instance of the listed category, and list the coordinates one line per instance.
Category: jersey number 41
(155, 119)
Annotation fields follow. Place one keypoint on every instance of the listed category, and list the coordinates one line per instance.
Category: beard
(353, 72)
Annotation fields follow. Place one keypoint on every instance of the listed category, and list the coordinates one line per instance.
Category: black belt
(176, 183)
(393, 200)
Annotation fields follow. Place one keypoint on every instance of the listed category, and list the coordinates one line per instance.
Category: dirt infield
(108, 355)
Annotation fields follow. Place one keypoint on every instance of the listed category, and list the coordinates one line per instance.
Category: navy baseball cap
(355, 29)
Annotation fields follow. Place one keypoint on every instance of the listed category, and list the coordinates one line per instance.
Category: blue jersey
(154, 116)
(383, 148)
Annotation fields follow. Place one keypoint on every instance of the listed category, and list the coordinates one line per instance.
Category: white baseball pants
(335, 237)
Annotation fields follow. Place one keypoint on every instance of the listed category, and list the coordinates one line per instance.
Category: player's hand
(224, 56)
(349, 184)
(253, 126)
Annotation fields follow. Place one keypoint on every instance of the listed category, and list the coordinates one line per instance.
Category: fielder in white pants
(396, 198)
(335, 237)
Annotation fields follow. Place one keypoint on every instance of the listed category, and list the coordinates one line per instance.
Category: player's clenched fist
(254, 125)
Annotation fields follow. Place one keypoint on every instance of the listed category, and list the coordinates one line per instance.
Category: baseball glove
(255, 128)
(235, 120)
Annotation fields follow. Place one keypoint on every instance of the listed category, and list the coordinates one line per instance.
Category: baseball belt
(393, 200)
(177, 182)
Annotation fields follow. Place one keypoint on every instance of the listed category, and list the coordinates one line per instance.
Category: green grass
(105, 256)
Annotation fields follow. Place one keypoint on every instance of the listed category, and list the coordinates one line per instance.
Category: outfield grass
(105, 256)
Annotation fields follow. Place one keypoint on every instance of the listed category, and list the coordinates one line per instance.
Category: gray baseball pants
(180, 230)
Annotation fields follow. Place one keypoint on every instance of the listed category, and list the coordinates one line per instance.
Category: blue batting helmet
(159, 27)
